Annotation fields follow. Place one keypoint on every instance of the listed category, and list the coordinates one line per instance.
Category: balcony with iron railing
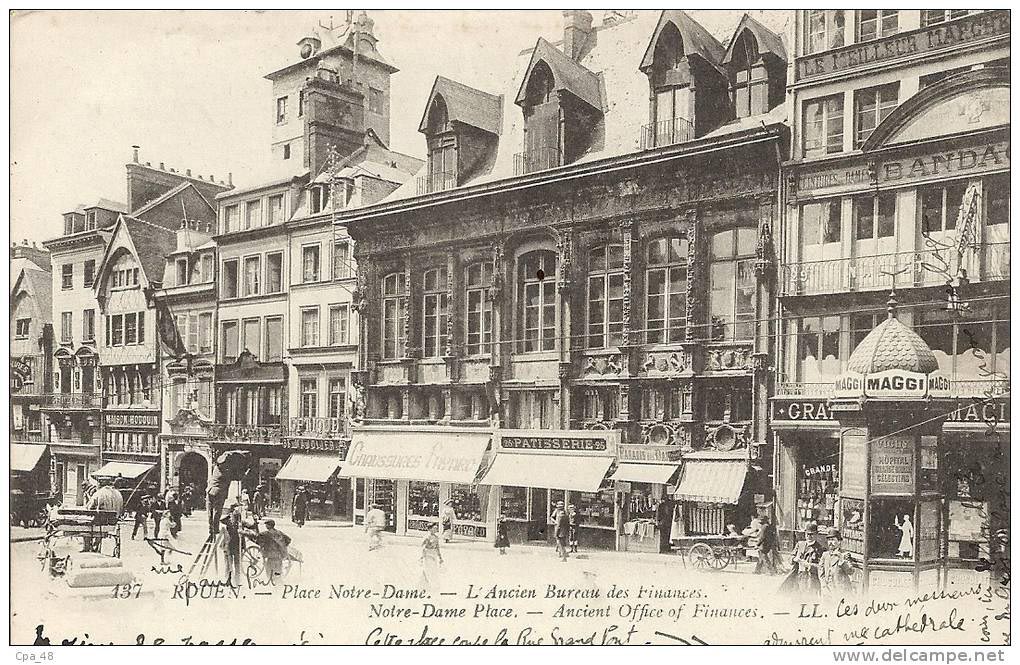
(73, 401)
(436, 181)
(882, 272)
(666, 132)
(536, 159)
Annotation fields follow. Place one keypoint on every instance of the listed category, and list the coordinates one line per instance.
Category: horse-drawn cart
(713, 552)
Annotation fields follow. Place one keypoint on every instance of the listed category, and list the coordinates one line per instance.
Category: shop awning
(447, 457)
(129, 470)
(711, 481)
(657, 474)
(308, 468)
(581, 473)
(25, 457)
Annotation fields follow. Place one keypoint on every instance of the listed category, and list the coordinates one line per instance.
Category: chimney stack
(230, 178)
(135, 149)
(578, 36)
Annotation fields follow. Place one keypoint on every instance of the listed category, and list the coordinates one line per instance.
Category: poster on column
(508, 327)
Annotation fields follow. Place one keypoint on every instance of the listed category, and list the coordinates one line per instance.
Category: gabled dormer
(688, 87)
(756, 64)
(562, 105)
(461, 127)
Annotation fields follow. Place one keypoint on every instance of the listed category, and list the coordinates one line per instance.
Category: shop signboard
(21, 373)
(132, 420)
(892, 465)
(981, 411)
(928, 528)
(852, 525)
(853, 464)
(639, 452)
(892, 384)
(316, 445)
(583, 442)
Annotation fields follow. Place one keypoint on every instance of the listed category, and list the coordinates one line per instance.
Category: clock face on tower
(306, 50)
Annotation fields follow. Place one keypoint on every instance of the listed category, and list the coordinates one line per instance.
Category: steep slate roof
(150, 244)
(466, 105)
(892, 345)
(624, 108)
(768, 41)
(696, 40)
(39, 284)
(107, 204)
(169, 194)
(568, 75)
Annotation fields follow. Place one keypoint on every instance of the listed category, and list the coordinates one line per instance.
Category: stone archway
(192, 468)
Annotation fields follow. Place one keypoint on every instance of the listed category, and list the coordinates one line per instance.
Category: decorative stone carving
(727, 436)
(564, 253)
(495, 291)
(759, 362)
(694, 266)
(603, 365)
(627, 236)
(664, 362)
(730, 358)
(661, 433)
(449, 348)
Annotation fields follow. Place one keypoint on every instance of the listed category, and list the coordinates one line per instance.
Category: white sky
(188, 87)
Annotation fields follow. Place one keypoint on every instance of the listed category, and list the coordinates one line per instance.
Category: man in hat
(446, 516)
(299, 509)
(805, 565)
(836, 565)
(562, 530)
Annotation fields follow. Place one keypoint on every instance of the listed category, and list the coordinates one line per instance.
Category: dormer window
(756, 65)
(318, 197)
(442, 145)
(90, 220)
(542, 139)
(671, 93)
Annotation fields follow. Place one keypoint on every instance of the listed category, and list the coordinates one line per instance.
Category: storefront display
(818, 483)
(513, 503)
(384, 494)
(638, 516)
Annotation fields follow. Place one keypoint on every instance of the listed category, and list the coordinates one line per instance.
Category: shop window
(393, 315)
(479, 308)
(732, 285)
(434, 305)
(817, 482)
(996, 189)
(595, 508)
(877, 23)
(940, 206)
(423, 499)
(821, 223)
(605, 296)
(537, 286)
(823, 29)
(875, 216)
(666, 290)
(513, 503)
(470, 502)
(871, 107)
(309, 398)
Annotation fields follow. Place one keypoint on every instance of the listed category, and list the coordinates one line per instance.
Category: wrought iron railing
(666, 132)
(894, 270)
(74, 400)
(436, 181)
(536, 159)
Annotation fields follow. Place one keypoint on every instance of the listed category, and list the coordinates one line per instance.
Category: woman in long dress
(431, 558)
(906, 548)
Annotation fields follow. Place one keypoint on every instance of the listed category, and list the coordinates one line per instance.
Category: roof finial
(891, 304)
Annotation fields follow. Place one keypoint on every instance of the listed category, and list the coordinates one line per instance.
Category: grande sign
(944, 36)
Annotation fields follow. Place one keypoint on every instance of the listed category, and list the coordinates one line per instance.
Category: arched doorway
(193, 470)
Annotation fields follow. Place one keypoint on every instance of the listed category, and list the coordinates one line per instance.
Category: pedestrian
(447, 515)
(562, 530)
(275, 546)
(141, 518)
(502, 538)
(299, 509)
(187, 498)
(258, 503)
(574, 520)
(375, 522)
(769, 560)
(430, 559)
(837, 566)
(156, 509)
(105, 499)
(664, 522)
(173, 508)
(231, 542)
(803, 578)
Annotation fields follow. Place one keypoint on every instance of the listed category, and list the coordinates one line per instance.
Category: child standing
(575, 525)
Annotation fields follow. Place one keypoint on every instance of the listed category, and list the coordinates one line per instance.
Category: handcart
(713, 552)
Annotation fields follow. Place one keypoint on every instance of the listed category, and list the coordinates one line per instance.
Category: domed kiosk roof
(892, 346)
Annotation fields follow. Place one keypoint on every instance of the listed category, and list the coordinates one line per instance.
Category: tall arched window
(605, 296)
(434, 312)
(670, 92)
(732, 284)
(479, 308)
(666, 290)
(442, 145)
(393, 292)
(536, 278)
(750, 87)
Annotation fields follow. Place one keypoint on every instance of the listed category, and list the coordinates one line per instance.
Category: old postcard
(565, 327)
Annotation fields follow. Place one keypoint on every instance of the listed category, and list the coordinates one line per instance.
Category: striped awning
(309, 468)
(128, 470)
(654, 474)
(25, 457)
(711, 481)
